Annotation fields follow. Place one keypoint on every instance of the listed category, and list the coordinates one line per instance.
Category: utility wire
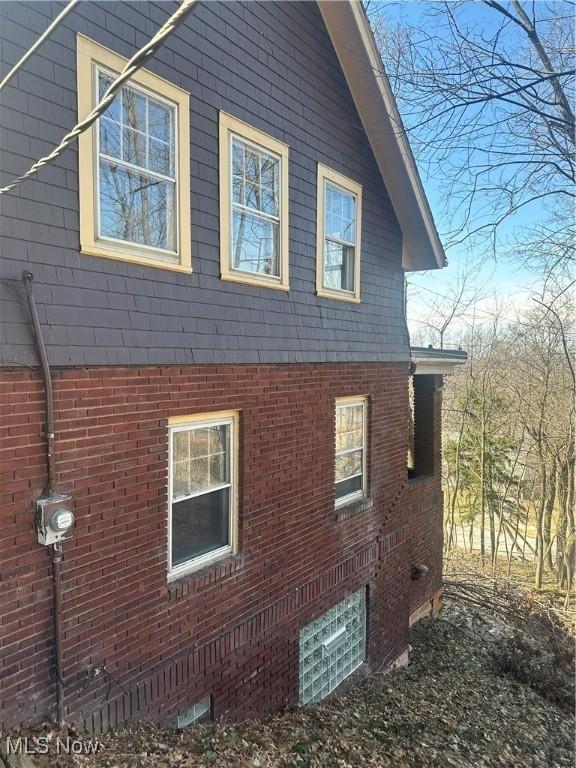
(135, 63)
(61, 16)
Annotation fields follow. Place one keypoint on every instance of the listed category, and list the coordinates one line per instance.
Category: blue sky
(502, 283)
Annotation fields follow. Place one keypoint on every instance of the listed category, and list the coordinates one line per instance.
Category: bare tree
(485, 91)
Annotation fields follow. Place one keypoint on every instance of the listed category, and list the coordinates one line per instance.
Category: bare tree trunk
(482, 483)
(540, 526)
(548, 512)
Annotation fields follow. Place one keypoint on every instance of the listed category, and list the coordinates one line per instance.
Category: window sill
(261, 282)
(324, 293)
(204, 576)
(353, 508)
(134, 258)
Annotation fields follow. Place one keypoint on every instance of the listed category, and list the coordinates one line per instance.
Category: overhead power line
(62, 15)
(135, 63)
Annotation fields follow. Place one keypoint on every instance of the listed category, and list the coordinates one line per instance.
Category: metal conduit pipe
(56, 549)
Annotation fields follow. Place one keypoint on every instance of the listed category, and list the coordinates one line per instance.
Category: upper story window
(202, 489)
(350, 455)
(134, 165)
(253, 205)
(338, 236)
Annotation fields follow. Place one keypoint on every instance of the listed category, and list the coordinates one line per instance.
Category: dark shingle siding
(270, 64)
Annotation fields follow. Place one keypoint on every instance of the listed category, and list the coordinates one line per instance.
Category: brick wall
(424, 490)
(230, 630)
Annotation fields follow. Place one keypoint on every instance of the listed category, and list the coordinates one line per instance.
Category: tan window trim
(229, 126)
(362, 494)
(90, 53)
(327, 174)
(190, 566)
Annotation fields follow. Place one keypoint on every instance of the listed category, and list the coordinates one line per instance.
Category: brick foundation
(230, 630)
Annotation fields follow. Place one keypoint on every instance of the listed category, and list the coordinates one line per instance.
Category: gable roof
(360, 60)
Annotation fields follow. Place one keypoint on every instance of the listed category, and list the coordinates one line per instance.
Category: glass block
(321, 669)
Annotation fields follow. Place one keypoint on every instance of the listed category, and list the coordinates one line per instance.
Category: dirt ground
(483, 689)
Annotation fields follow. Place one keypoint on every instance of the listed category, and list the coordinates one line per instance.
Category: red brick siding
(424, 492)
(230, 630)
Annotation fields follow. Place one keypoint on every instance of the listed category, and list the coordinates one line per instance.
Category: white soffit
(356, 49)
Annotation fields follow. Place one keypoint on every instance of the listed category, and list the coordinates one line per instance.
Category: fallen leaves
(451, 707)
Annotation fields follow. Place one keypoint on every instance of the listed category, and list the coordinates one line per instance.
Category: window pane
(238, 190)
(252, 196)
(348, 464)
(346, 487)
(219, 439)
(181, 479)
(199, 478)
(218, 473)
(134, 147)
(200, 459)
(136, 207)
(252, 165)
(338, 266)
(349, 417)
(199, 442)
(159, 121)
(269, 168)
(349, 439)
(159, 159)
(255, 244)
(134, 109)
(104, 82)
(110, 138)
(255, 178)
(180, 446)
(237, 158)
(200, 525)
(340, 216)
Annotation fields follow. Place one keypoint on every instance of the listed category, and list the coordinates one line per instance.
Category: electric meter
(53, 518)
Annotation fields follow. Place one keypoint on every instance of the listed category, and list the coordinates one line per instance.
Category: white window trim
(182, 423)
(92, 56)
(342, 402)
(348, 185)
(232, 127)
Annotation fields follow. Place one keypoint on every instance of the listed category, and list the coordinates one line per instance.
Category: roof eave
(427, 360)
(360, 60)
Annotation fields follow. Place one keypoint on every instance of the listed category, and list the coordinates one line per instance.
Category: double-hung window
(134, 165)
(350, 470)
(338, 236)
(253, 205)
(202, 490)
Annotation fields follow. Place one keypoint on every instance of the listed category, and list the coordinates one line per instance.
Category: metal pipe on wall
(57, 549)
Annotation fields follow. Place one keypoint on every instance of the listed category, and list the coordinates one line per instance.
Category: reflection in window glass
(339, 238)
(137, 177)
(255, 209)
(350, 432)
(201, 491)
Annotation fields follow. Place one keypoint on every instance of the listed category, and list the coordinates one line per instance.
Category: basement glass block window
(332, 647)
(199, 713)
(137, 169)
(201, 492)
(350, 470)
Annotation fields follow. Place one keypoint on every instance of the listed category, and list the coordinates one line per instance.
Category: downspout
(27, 278)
